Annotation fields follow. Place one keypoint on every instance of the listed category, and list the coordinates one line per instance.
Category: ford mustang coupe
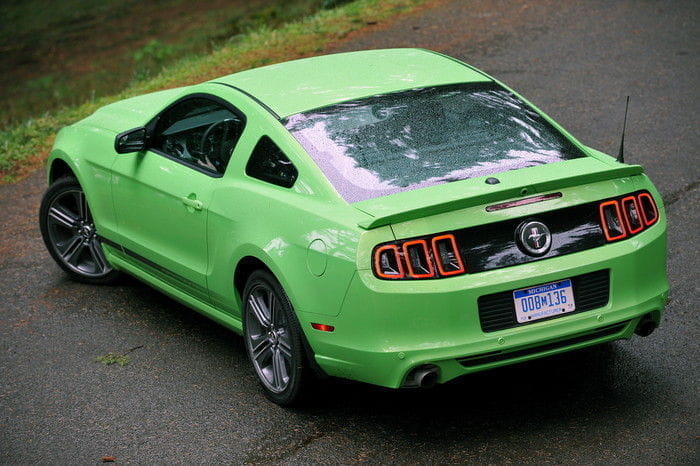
(395, 217)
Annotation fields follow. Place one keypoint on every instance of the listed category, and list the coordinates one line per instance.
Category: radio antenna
(621, 154)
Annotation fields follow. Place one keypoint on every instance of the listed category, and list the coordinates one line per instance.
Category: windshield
(412, 139)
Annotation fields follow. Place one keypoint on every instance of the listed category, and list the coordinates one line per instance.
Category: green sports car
(394, 216)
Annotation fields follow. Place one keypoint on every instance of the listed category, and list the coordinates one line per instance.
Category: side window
(199, 132)
(268, 163)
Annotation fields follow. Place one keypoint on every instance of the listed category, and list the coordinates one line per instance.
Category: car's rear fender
(308, 243)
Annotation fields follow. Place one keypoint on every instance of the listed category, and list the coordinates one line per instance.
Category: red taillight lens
(627, 216)
(648, 208)
(388, 263)
(434, 257)
(611, 220)
(418, 259)
(630, 210)
(447, 255)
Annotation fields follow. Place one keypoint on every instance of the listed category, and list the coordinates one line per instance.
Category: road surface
(188, 394)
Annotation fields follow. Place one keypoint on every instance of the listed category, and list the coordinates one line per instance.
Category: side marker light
(323, 327)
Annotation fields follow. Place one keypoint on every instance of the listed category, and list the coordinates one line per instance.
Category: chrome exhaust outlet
(425, 376)
(646, 326)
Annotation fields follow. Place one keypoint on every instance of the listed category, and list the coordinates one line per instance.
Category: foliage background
(87, 54)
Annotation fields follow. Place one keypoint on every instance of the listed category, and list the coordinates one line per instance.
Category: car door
(161, 195)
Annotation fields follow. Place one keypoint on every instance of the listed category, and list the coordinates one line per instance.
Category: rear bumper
(385, 329)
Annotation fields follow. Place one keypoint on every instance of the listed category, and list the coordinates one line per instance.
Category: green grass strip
(24, 147)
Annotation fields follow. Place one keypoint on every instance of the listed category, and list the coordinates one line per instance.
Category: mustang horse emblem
(535, 236)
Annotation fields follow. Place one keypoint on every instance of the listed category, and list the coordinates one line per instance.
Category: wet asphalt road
(189, 396)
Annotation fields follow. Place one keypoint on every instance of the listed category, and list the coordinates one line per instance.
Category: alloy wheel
(268, 338)
(72, 235)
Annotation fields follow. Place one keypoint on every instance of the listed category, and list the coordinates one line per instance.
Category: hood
(131, 113)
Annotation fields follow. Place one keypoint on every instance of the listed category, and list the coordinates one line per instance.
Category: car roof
(300, 85)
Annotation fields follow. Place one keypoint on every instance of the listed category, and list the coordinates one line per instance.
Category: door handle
(194, 203)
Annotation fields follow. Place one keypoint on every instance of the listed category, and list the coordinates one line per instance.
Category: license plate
(542, 301)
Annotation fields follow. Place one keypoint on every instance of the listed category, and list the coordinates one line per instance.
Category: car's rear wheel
(70, 236)
(273, 340)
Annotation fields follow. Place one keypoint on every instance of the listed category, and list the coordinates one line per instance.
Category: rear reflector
(611, 220)
(323, 327)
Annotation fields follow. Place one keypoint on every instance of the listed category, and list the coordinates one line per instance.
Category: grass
(117, 358)
(113, 358)
(74, 50)
(24, 146)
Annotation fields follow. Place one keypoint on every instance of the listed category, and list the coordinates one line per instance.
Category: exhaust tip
(646, 326)
(425, 376)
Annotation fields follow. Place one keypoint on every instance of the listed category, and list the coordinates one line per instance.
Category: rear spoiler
(504, 194)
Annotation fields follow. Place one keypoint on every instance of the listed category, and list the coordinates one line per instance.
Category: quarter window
(199, 132)
(268, 163)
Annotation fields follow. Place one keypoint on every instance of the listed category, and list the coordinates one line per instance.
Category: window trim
(253, 98)
(151, 125)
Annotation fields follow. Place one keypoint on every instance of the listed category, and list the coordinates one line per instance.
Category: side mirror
(133, 140)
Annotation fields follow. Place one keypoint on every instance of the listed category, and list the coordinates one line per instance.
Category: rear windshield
(412, 139)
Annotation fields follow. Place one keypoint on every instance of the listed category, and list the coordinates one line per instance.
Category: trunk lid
(541, 179)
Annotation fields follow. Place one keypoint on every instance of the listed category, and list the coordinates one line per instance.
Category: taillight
(418, 259)
(630, 210)
(620, 218)
(388, 263)
(611, 219)
(432, 257)
(648, 208)
(447, 255)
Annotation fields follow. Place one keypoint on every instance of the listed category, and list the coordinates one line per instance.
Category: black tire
(279, 361)
(70, 236)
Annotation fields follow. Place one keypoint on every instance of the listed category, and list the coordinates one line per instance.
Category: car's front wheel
(70, 236)
(273, 340)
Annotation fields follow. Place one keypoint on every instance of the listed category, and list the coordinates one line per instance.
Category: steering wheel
(205, 138)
